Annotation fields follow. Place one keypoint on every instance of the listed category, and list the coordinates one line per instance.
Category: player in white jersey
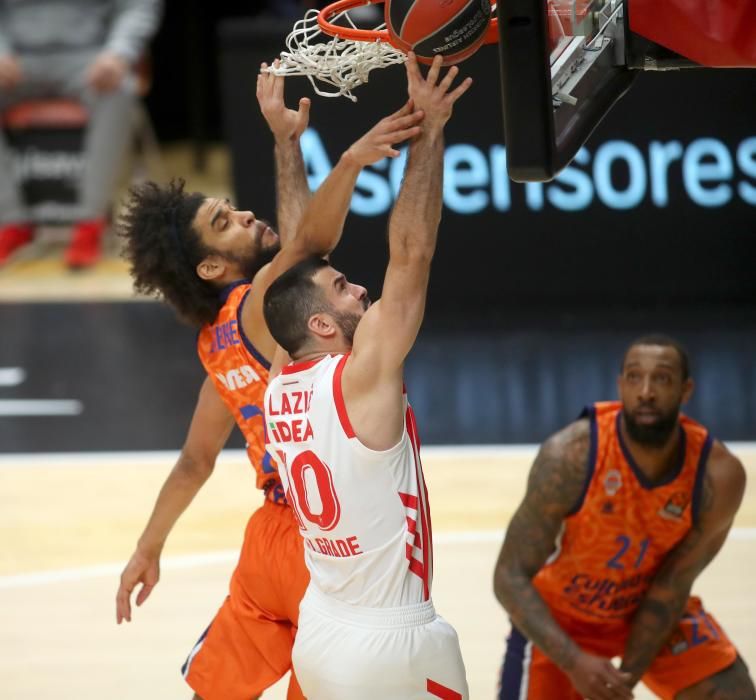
(345, 441)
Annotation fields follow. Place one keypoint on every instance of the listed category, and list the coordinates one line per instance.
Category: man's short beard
(348, 323)
(654, 435)
(251, 263)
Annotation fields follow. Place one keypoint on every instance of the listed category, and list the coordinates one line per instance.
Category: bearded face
(653, 387)
(651, 426)
(348, 321)
(256, 252)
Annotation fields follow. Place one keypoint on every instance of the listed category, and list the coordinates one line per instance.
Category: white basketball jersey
(363, 513)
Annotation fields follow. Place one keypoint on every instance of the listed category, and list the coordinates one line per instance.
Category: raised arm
(554, 486)
(664, 602)
(287, 127)
(320, 227)
(372, 379)
(211, 425)
(324, 218)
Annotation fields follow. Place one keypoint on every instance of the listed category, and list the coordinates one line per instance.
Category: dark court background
(536, 289)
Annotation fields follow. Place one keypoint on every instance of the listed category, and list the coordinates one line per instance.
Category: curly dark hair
(164, 248)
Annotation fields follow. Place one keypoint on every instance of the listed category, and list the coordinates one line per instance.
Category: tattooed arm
(664, 602)
(554, 487)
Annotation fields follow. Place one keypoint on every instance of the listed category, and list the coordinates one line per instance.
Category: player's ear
(321, 325)
(210, 268)
(687, 389)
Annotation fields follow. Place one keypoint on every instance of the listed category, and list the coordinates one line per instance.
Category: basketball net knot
(342, 63)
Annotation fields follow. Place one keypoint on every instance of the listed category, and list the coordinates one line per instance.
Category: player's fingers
(265, 82)
(413, 70)
(304, 108)
(405, 122)
(621, 691)
(434, 70)
(144, 593)
(447, 80)
(613, 688)
(123, 605)
(407, 108)
(404, 134)
(460, 90)
(599, 691)
(278, 81)
(616, 677)
(392, 152)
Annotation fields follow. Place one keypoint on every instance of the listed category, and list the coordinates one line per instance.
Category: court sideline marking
(66, 459)
(24, 580)
(190, 561)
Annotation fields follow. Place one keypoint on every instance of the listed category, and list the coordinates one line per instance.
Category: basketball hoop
(328, 47)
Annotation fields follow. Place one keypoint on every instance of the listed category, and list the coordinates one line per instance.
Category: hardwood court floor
(68, 523)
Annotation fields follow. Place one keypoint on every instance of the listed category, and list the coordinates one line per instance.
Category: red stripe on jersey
(338, 398)
(300, 366)
(441, 691)
(415, 566)
(408, 500)
(427, 547)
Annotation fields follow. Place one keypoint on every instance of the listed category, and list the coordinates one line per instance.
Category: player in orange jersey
(200, 254)
(624, 508)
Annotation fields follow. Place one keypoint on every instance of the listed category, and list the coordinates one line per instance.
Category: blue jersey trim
(513, 668)
(189, 659)
(590, 413)
(643, 480)
(226, 291)
(700, 473)
(247, 342)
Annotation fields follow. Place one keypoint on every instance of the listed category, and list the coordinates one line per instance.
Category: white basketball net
(341, 63)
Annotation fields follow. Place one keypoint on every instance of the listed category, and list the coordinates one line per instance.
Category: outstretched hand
(140, 569)
(430, 95)
(285, 123)
(379, 142)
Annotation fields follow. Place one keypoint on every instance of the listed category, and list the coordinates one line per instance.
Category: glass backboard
(563, 66)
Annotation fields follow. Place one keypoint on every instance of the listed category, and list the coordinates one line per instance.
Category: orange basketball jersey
(240, 375)
(612, 544)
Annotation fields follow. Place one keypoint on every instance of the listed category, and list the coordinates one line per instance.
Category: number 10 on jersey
(310, 481)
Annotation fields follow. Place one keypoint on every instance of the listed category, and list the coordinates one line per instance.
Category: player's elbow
(414, 254)
(508, 578)
(312, 239)
(194, 466)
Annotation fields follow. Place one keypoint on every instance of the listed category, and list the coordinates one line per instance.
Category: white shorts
(346, 652)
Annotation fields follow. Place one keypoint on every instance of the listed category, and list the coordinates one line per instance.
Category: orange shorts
(697, 649)
(247, 647)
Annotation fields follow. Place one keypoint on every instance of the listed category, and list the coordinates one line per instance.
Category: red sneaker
(13, 237)
(85, 248)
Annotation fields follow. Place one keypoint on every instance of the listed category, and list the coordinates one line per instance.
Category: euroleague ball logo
(453, 29)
